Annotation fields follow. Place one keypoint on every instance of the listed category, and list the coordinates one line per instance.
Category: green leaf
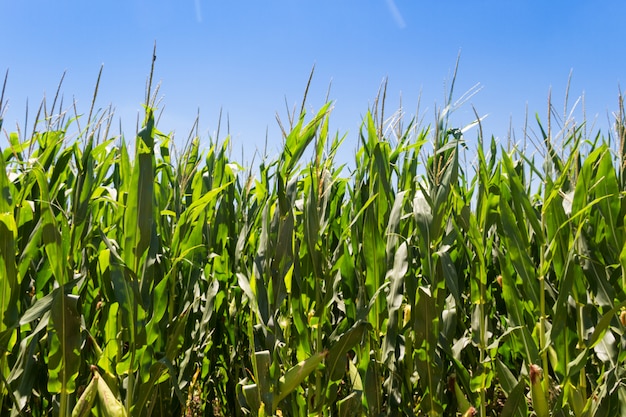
(336, 362)
(603, 324)
(139, 211)
(65, 343)
(426, 327)
(23, 375)
(299, 138)
(8, 273)
(394, 299)
(517, 250)
(515, 405)
(296, 375)
(111, 353)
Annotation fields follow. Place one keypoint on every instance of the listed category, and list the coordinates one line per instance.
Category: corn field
(435, 278)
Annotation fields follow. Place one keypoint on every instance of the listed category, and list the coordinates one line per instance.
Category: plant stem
(483, 342)
(542, 326)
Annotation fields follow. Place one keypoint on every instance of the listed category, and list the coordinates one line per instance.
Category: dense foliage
(140, 281)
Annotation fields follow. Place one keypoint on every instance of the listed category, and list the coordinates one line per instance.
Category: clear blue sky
(247, 57)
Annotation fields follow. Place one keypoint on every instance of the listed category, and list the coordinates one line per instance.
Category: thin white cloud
(397, 16)
(198, 11)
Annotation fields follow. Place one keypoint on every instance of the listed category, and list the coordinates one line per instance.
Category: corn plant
(140, 279)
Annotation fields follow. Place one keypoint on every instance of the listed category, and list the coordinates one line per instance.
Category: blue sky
(249, 58)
